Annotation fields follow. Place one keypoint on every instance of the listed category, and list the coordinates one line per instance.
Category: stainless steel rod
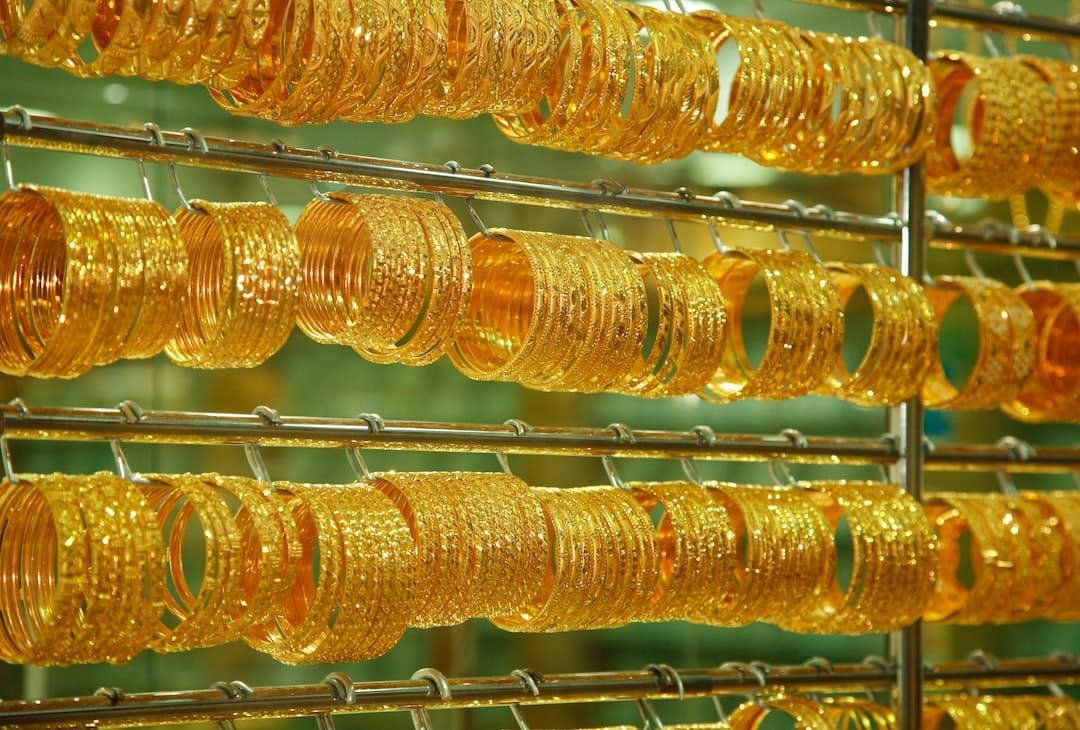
(188, 427)
(158, 708)
(608, 196)
(103, 424)
(976, 17)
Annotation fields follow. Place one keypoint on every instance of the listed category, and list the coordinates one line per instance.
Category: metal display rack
(429, 689)
(912, 229)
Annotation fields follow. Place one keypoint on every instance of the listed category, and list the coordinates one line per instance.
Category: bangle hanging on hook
(625, 436)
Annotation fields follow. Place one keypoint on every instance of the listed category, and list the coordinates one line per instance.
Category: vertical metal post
(906, 420)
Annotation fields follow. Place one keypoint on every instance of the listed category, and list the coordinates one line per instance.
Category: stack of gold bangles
(1022, 552)
(607, 77)
(93, 568)
(1000, 712)
(86, 280)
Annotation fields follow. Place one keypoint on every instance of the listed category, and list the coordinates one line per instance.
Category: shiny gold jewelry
(903, 340)
(687, 347)
(697, 551)
(1006, 344)
(244, 284)
(355, 606)
(388, 275)
(1052, 390)
(807, 714)
(602, 569)
(1001, 557)
(893, 560)
(805, 332)
(1007, 120)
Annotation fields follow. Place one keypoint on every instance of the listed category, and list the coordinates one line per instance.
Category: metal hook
(234, 690)
(528, 681)
(26, 124)
(759, 9)
(420, 716)
(987, 661)
(132, 413)
(705, 437)
(1018, 450)
(196, 140)
(328, 153)
(376, 424)
(520, 429)
(341, 687)
(625, 436)
(667, 673)
(744, 669)
(156, 139)
(675, 242)
(604, 234)
(113, 694)
(732, 202)
(798, 440)
(251, 448)
(798, 210)
(872, 24)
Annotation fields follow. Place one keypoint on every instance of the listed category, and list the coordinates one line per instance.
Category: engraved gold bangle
(1006, 344)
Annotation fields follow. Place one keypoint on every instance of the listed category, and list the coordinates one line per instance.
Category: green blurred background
(317, 380)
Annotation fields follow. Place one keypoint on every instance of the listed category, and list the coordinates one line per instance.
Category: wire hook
(1018, 450)
(420, 716)
(328, 153)
(529, 681)
(156, 140)
(5, 451)
(520, 429)
(196, 141)
(705, 437)
(376, 424)
(625, 436)
(26, 124)
(132, 413)
(255, 461)
(800, 212)
(785, 477)
(745, 669)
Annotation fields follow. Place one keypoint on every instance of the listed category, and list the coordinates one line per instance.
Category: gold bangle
(1052, 390)
(903, 340)
(243, 285)
(696, 549)
(807, 714)
(806, 316)
(1006, 343)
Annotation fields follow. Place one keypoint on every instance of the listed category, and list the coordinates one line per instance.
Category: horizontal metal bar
(608, 196)
(102, 424)
(311, 164)
(187, 427)
(159, 708)
(975, 17)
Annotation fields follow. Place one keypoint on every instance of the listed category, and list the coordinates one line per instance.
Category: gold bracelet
(1006, 342)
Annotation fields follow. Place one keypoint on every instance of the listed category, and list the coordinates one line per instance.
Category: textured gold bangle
(1052, 391)
(243, 285)
(903, 340)
(807, 714)
(1006, 344)
(696, 547)
(805, 332)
